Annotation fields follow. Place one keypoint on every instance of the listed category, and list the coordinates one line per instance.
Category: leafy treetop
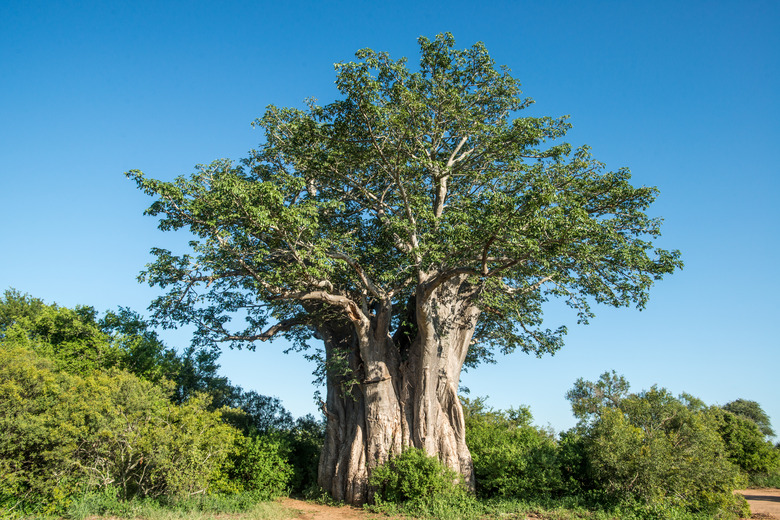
(751, 410)
(411, 179)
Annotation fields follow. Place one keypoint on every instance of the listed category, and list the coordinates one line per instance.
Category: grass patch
(765, 481)
(239, 507)
(565, 508)
(470, 508)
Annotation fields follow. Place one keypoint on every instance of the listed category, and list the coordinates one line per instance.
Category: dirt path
(764, 503)
(313, 511)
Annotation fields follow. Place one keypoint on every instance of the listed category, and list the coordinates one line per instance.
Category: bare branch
(272, 331)
(452, 160)
(367, 282)
(525, 290)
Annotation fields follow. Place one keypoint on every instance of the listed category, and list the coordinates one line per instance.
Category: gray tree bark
(386, 393)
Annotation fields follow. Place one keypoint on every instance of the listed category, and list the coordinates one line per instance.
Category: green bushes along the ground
(99, 411)
(98, 416)
(632, 455)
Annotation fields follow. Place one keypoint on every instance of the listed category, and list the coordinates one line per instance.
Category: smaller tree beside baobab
(415, 225)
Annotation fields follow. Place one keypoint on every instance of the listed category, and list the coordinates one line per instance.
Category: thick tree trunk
(387, 394)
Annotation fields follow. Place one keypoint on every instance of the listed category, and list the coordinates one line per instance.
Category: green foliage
(143, 353)
(647, 455)
(414, 176)
(64, 433)
(573, 463)
(588, 398)
(257, 466)
(653, 451)
(753, 411)
(414, 476)
(80, 343)
(15, 306)
(69, 337)
(511, 457)
(41, 427)
(113, 431)
(190, 448)
(746, 445)
(260, 413)
(304, 441)
(768, 480)
(299, 441)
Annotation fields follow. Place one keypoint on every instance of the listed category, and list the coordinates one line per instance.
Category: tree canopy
(589, 398)
(751, 410)
(409, 180)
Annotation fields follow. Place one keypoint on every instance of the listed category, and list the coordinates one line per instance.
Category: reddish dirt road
(764, 503)
(313, 511)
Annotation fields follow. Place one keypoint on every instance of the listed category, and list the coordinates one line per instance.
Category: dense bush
(75, 420)
(639, 455)
(752, 411)
(678, 459)
(98, 413)
(511, 457)
(654, 451)
(257, 466)
(41, 428)
(64, 433)
(414, 476)
(304, 443)
(574, 464)
(180, 450)
(768, 480)
(746, 445)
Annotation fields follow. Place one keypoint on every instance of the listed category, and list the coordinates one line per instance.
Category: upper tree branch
(397, 179)
(380, 206)
(272, 331)
(444, 276)
(530, 288)
(367, 282)
(441, 181)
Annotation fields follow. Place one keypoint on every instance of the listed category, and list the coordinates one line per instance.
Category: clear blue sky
(683, 93)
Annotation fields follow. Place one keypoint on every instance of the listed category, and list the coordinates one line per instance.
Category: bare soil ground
(764, 503)
(314, 511)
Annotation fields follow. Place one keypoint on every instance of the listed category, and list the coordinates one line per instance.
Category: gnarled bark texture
(388, 392)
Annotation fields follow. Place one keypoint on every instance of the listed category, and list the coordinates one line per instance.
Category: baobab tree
(415, 225)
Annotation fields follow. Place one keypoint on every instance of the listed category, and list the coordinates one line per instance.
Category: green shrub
(413, 476)
(752, 411)
(765, 480)
(511, 457)
(654, 451)
(70, 338)
(257, 466)
(146, 446)
(745, 444)
(76, 423)
(573, 463)
(40, 428)
(63, 433)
